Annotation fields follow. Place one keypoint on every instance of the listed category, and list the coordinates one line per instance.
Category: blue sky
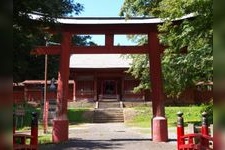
(104, 8)
(101, 8)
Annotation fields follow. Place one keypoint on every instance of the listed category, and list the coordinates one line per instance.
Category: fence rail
(194, 141)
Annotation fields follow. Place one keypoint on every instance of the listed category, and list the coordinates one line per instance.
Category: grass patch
(44, 139)
(77, 116)
(143, 117)
(192, 114)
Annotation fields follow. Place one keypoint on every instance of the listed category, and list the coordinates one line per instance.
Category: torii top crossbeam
(106, 26)
(109, 25)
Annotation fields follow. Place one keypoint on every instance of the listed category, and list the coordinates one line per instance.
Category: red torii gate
(109, 27)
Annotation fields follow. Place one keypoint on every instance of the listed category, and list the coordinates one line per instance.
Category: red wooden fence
(194, 141)
(20, 140)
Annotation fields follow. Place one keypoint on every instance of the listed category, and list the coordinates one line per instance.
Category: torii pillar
(60, 122)
(159, 121)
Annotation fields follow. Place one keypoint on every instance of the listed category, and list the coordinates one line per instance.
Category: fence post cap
(34, 113)
(179, 114)
(204, 114)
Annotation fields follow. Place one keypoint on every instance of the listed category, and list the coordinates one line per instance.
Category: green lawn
(46, 138)
(76, 115)
(192, 114)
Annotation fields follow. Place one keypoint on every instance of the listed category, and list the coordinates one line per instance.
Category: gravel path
(110, 136)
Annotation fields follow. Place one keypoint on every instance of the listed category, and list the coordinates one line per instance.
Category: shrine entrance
(108, 27)
(109, 89)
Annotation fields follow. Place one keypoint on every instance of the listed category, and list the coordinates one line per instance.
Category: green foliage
(138, 7)
(24, 122)
(27, 34)
(6, 61)
(209, 109)
(81, 40)
(139, 70)
(188, 57)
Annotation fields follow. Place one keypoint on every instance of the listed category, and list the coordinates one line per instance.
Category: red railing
(194, 141)
(20, 140)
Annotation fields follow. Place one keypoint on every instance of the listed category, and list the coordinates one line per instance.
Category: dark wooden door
(109, 87)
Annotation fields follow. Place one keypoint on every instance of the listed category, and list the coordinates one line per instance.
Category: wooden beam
(56, 50)
(109, 40)
(109, 50)
(106, 28)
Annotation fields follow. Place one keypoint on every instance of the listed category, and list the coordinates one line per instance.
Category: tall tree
(27, 34)
(5, 39)
(195, 35)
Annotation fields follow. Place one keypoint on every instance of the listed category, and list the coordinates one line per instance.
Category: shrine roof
(41, 82)
(99, 61)
(107, 20)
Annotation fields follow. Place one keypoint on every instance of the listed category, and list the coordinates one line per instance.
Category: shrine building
(103, 76)
(93, 77)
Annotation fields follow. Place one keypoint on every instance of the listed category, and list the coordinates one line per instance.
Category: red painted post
(122, 89)
(159, 121)
(74, 90)
(46, 105)
(14, 127)
(95, 88)
(14, 122)
(109, 41)
(180, 129)
(205, 129)
(34, 129)
(60, 122)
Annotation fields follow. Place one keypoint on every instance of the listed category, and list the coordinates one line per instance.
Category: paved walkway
(109, 136)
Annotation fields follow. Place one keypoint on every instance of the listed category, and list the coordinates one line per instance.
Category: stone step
(109, 104)
(109, 100)
(108, 115)
(108, 111)
(102, 120)
(108, 121)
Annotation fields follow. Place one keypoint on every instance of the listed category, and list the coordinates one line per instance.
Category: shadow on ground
(80, 144)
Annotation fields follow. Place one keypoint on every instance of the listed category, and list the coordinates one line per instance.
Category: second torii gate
(108, 27)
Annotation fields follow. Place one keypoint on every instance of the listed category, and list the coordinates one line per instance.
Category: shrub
(24, 120)
(208, 107)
